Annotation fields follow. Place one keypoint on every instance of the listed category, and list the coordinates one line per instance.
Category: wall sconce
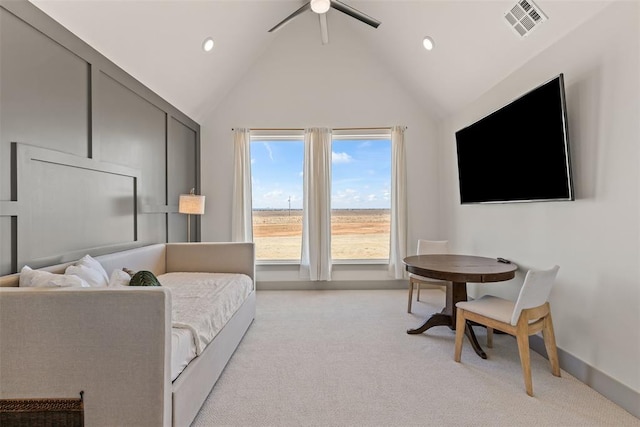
(191, 204)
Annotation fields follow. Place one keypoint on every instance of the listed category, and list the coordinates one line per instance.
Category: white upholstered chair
(426, 247)
(528, 315)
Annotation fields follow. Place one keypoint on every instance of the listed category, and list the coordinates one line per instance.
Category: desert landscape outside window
(360, 202)
(360, 215)
(276, 191)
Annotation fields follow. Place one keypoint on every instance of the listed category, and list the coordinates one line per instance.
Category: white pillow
(44, 279)
(90, 270)
(94, 264)
(92, 277)
(119, 278)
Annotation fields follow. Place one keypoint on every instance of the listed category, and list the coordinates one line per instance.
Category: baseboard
(610, 388)
(331, 285)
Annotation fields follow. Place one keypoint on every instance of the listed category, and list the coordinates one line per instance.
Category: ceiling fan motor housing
(321, 7)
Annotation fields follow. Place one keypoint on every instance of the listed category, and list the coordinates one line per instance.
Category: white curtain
(398, 248)
(241, 220)
(315, 262)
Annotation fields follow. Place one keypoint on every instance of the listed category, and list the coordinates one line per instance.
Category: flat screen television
(519, 153)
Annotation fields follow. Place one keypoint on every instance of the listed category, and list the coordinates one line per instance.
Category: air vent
(524, 17)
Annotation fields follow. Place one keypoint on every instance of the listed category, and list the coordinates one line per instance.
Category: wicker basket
(42, 412)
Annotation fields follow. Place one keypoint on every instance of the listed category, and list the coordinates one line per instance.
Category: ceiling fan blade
(346, 9)
(286, 20)
(324, 28)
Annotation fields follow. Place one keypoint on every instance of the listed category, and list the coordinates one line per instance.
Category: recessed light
(427, 42)
(207, 44)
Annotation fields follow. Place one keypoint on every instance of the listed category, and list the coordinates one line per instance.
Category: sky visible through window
(361, 173)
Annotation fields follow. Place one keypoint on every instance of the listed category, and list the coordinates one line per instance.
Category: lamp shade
(191, 204)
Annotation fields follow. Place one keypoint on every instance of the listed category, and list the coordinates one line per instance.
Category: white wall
(595, 240)
(300, 83)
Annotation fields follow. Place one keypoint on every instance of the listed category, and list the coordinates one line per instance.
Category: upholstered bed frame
(115, 344)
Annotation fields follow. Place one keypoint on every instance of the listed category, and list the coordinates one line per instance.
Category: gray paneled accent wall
(91, 160)
(81, 205)
(44, 94)
(132, 132)
(181, 148)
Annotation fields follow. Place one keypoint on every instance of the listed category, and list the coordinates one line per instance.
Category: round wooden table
(457, 269)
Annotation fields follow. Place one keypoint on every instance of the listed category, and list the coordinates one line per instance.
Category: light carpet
(343, 358)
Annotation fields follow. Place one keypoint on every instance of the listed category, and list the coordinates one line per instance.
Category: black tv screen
(519, 153)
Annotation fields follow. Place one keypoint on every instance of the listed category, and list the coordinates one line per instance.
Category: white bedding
(183, 350)
(204, 302)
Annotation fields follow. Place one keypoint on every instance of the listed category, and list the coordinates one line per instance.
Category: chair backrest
(427, 247)
(535, 290)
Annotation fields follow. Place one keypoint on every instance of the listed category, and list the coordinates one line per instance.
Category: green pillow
(144, 278)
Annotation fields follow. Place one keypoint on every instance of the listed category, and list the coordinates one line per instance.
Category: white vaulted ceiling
(159, 41)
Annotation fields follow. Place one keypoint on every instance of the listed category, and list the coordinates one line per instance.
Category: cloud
(268, 148)
(340, 157)
(271, 195)
(347, 195)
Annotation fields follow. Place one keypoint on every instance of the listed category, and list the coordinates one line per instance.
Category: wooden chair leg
(410, 296)
(522, 336)
(418, 294)
(460, 325)
(550, 345)
(489, 337)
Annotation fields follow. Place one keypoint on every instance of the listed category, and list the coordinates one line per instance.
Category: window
(360, 202)
(276, 187)
(360, 186)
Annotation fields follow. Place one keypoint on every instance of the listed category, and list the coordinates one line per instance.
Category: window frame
(362, 134)
(380, 133)
(292, 135)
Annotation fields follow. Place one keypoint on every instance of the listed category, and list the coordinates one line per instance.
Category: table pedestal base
(456, 291)
(437, 319)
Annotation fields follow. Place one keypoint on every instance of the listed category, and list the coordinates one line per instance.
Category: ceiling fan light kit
(321, 7)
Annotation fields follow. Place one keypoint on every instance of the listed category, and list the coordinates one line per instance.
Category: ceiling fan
(321, 7)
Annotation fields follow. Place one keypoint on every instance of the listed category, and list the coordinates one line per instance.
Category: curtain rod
(302, 129)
